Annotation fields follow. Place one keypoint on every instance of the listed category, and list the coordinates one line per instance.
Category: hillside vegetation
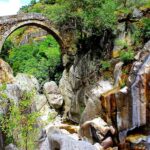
(87, 19)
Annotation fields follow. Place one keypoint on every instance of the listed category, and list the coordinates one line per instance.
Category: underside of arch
(37, 23)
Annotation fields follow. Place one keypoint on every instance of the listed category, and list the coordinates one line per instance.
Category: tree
(33, 2)
(6, 48)
(38, 58)
(48, 1)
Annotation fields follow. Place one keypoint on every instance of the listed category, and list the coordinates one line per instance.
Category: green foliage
(24, 8)
(99, 14)
(105, 64)
(86, 15)
(20, 31)
(122, 43)
(136, 35)
(33, 2)
(146, 28)
(130, 4)
(127, 56)
(6, 47)
(48, 1)
(19, 123)
(122, 84)
(38, 59)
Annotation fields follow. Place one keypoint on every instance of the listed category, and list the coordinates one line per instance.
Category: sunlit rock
(6, 73)
(97, 130)
(27, 82)
(53, 95)
(66, 92)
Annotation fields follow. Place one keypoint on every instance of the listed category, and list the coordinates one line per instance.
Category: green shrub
(146, 28)
(88, 15)
(19, 124)
(105, 64)
(127, 56)
(122, 43)
(39, 59)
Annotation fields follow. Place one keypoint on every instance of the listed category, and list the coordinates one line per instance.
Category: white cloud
(9, 7)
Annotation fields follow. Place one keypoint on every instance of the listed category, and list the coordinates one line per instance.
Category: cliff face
(103, 90)
(120, 94)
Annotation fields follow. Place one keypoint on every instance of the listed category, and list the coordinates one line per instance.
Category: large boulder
(58, 140)
(47, 114)
(66, 92)
(41, 101)
(7, 93)
(27, 83)
(11, 147)
(6, 73)
(97, 130)
(93, 105)
(53, 95)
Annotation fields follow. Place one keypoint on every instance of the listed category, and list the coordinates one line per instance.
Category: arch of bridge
(8, 24)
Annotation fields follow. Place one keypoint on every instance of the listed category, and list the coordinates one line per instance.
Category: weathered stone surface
(51, 88)
(147, 46)
(96, 130)
(59, 139)
(10, 92)
(92, 110)
(139, 94)
(6, 73)
(74, 82)
(107, 143)
(101, 87)
(93, 105)
(137, 138)
(31, 34)
(70, 128)
(118, 73)
(26, 82)
(41, 101)
(137, 13)
(53, 95)
(11, 147)
(128, 107)
(66, 92)
(43, 107)
(65, 142)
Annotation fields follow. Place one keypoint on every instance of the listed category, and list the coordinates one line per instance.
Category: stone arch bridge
(8, 24)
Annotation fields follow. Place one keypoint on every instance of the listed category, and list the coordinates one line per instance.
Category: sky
(11, 7)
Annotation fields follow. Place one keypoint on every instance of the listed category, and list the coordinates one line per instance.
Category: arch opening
(39, 24)
(51, 31)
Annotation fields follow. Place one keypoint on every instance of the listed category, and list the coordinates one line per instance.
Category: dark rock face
(83, 73)
(74, 83)
(123, 108)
